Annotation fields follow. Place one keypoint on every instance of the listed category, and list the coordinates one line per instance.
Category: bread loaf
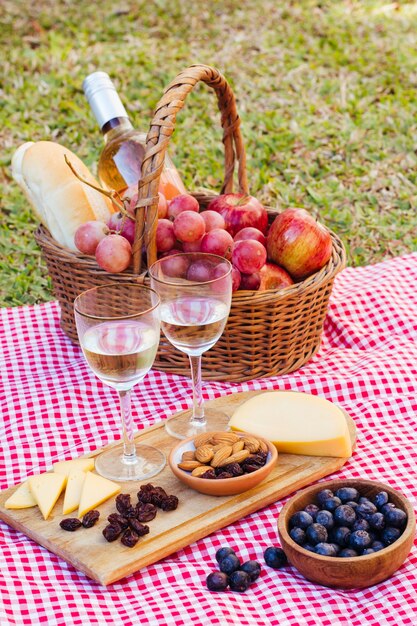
(60, 201)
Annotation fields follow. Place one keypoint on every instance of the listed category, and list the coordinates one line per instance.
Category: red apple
(240, 210)
(298, 243)
(274, 277)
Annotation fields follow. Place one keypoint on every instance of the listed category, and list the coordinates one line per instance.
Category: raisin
(140, 529)
(234, 469)
(224, 475)
(118, 519)
(112, 532)
(129, 538)
(158, 496)
(209, 474)
(124, 505)
(170, 503)
(70, 524)
(248, 468)
(90, 518)
(144, 512)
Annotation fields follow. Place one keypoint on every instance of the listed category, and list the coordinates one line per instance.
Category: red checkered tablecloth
(52, 407)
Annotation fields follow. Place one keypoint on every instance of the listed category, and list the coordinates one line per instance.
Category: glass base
(182, 426)
(112, 464)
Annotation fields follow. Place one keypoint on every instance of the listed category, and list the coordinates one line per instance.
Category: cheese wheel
(297, 423)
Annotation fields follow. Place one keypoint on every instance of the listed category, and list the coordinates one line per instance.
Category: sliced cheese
(297, 423)
(75, 482)
(96, 490)
(21, 498)
(46, 489)
(66, 467)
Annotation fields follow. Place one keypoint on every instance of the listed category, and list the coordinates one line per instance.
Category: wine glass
(118, 327)
(196, 292)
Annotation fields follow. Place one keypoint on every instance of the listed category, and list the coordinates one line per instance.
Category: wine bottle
(119, 165)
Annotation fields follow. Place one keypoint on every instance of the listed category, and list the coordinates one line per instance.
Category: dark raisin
(129, 538)
(90, 518)
(144, 512)
(70, 524)
(116, 518)
(111, 532)
(145, 496)
(223, 475)
(140, 529)
(210, 474)
(158, 496)
(234, 469)
(170, 503)
(248, 468)
(257, 459)
(124, 505)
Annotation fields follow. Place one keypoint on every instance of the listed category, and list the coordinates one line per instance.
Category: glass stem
(198, 405)
(129, 450)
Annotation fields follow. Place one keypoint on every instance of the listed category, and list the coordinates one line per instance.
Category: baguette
(60, 201)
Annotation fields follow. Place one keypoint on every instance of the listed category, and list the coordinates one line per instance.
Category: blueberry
(361, 524)
(222, 552)
(352, 504)
(252, 568)
(331, 504)
(275, 557)
(336, 547)
(347, 553)
(325, 549)
(239, 581)
(229, 564)
(298, 535)
(389, 535)
(308, 546)
(387, 507)
(301, 519)
(344, 515)
(325, 518)
(323, 495)
(347, 493)
(312, 509)
(380, 499)
(368, 551)
(377, 521)
(217, 581)
(359, 540)
(316, 533)
(340, 535)
(365, 508)
(396, 517)
(377, 546)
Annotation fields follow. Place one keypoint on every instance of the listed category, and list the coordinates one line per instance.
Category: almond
(200, 470)
(263, 446)
(219, 456)
(188, 455)
(251, 443)
(202, 439)
(238, 457)
(225, 437)
(204, 454)
(188, 466)
(238, 446)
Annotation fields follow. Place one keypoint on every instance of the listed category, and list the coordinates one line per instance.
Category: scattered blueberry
(325, 518)
(223, 552)
(396, 517)
(389, 535)
(380, 499)
(217, 581)
(347, 553)
(359, 540)
(229, 564)
(275, 557)
(252, 568)
(347, 493)
(301, 519)
(312, 509)
(239, 581)
(298, 535)
(325, 549)
(344, 515)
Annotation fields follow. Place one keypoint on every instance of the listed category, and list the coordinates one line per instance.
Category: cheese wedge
(96, 490)
(75, 482)
(66, 467)
(297, 423)
(21, 498)
(46, 489)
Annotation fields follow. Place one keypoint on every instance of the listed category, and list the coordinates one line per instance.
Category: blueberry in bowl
(347, 533)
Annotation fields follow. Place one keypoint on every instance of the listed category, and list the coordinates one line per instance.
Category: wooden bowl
(223, 486)
(353, 572)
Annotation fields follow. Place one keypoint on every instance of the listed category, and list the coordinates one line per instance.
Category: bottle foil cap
(103, 97)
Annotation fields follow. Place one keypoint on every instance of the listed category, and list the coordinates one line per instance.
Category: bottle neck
(114, 127)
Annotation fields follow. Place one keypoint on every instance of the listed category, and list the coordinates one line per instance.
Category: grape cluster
(346, 524)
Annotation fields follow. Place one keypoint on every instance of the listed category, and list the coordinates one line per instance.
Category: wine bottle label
(103, 98)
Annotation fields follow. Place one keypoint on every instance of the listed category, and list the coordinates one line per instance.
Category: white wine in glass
(118, 327)
(196, 291)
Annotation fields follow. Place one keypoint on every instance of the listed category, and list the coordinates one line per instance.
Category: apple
(274, 277)
(239, 211)
(298, 243)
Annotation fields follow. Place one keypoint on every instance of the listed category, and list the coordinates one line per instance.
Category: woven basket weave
(268, 332)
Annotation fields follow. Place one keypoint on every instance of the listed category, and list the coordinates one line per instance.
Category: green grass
(327, 93)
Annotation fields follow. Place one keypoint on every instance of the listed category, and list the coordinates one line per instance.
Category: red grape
(218, 241)
(114, 253)
(122, 225)
(165, 237)
(248, 256)
(192, 246)
(236, 278)
(249, 232)
(183, 202)
(189, 226)
(200, 271)
(162, 206)
(213, 220)
(251, 282)
(175, 265)
(88, 235)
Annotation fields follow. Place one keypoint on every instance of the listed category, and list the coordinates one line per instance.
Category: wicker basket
(268, 332)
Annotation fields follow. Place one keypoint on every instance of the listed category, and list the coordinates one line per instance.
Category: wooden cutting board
(197, 515)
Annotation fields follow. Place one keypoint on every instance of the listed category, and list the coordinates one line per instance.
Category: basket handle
(160, 131)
